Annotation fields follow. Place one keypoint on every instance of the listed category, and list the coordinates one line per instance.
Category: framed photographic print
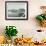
(16, 10)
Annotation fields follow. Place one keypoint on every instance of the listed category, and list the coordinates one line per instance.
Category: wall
(25, 27)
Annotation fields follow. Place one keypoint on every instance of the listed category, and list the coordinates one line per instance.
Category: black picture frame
(16, 2)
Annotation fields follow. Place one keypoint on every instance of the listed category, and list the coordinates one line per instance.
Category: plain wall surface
(25, 27)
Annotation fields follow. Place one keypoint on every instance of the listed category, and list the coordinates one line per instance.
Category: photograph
(16, 10)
